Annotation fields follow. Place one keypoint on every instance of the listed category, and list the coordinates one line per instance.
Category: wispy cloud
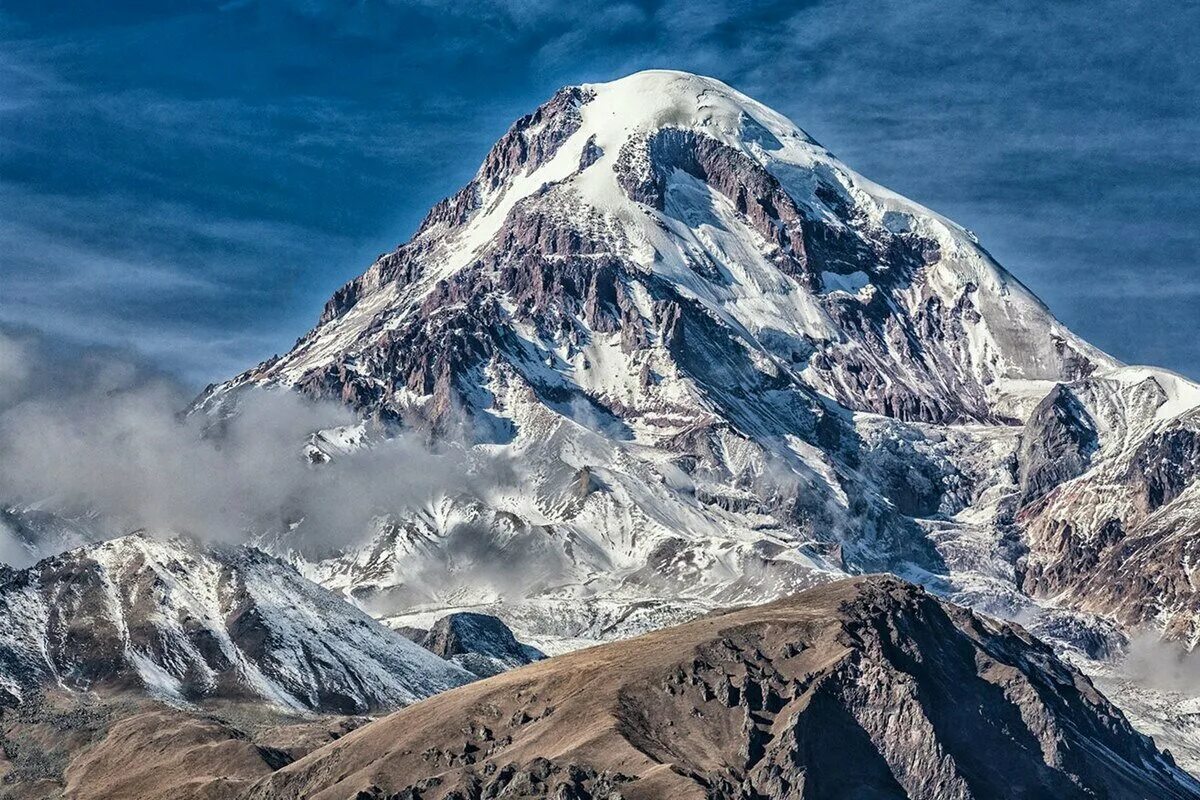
(93, 432)
(165, 279)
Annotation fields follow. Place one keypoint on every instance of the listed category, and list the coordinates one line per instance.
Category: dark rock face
(432, 360)
(864, 688)
(480, 643)
(1165, 464)
(805, 245)
(1067, 550)
(644, 167)
(541, 778)
(591, 154)
(1144, 577)
(1119, 538)
(1056, 445)
(412, 634)
(1102, 549)
(535, 138)
(404, 265)
(530, 142)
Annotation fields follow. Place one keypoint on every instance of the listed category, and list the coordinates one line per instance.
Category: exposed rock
(591, 153)
(411, 633)
(900, 348)
(1164, 465)
(645, 166)
(1056, 445)
(480, 643)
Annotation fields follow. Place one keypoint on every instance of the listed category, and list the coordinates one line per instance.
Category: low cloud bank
(98, 434)
(1162, 664)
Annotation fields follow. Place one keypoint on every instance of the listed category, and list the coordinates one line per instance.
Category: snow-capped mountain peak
(665, 183)
(665, 287)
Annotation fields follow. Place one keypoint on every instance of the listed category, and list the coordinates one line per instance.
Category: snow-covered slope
(188, 623)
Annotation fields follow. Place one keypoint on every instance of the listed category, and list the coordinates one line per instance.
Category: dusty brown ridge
(864, 688)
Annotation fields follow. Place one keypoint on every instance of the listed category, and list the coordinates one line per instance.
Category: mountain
(684, 360)
(865, 688)
(186, 622)
(667, 224)
(721, 366)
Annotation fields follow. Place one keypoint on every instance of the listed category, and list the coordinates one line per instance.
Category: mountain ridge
(191, 623)
(860, 688)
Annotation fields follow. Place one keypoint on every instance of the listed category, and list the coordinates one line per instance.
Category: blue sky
(191, 180)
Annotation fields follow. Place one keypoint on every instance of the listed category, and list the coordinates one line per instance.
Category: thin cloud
(96, 433)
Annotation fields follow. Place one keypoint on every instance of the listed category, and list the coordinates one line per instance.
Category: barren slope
(866, 688)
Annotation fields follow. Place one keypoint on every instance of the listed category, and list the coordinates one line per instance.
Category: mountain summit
(619, 220)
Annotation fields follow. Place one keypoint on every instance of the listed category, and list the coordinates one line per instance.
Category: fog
(1162, 664)
(98, 433)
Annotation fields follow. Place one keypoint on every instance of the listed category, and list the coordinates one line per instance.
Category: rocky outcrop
(479, 643)
(863, 688)
(1165, 464)
(535, 138)
(645, 165)
(925, 340)
(1056, 445)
